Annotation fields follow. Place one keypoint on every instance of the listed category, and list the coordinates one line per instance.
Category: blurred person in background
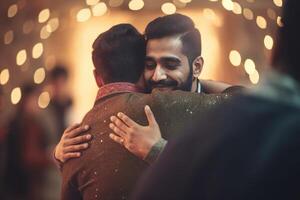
(60, 98)
(246, 149)
(27, 156)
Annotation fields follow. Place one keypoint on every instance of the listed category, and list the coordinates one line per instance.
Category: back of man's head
(177, 25)
(119, 54)
(286, 52)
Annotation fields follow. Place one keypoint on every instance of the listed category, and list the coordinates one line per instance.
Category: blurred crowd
(28, 138)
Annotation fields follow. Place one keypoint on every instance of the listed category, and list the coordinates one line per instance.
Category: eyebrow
(172, 59)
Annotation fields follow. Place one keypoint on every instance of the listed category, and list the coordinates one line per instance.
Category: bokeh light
(83, 15)
(37, 50)
(44, 100)
(44, 15)
(261, 22)
(248, 14)
(235, 58)
(4, 76)
(278, 3)
(99, 9)
(16, 95)
(39, 75)
(115, 3)
(237, 9)
(168, 8)
(8, 37)
(12, 10)
(136, 4)
(92, 2)
(268, 41)
(21, 57)
(249, 66)
(227, 4)
(254, 77)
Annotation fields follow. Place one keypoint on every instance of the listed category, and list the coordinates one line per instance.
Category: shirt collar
(115, 88)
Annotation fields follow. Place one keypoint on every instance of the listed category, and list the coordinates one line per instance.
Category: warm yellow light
(99, 9)
(254, 77)
(271, 13)
(52, 25)
(21, 57)
(39, 75)
(37, 50)
(44, 15)
(83, 15)
(16, 95)
(44, 34)
(237, 9)
(12, 10)
(28, 26)
(186, 1)
(92, 2)
(44, 100)
(248, 14)
(268, 41)
(168, 8)
(249, 66)
(115, 3)
(235, 58)
(209, 14)
(4, 76)
(261, 22)
(213, 0)
(279, 21)
(227, 4)
(136, 4)
(278, 3)
(8, 37)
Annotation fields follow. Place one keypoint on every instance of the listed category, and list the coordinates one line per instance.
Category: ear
(98, 79)
(197, 66)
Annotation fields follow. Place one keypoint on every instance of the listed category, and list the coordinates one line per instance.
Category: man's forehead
(172, 44)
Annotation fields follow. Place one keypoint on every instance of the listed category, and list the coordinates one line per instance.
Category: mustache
(163, 83)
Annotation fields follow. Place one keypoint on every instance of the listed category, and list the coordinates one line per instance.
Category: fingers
(117, 130)
(77, 131)
(76, 125)
(150, 116)
(76, 148)
(116, 138)
(119, 124)
(71, 155)
(78, 140)
(127, 120)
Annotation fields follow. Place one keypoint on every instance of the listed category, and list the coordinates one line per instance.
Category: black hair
(177, 25)
(119, 54)
(287, 46)
(58, 71)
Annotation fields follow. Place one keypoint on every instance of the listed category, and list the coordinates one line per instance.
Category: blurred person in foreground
(27, 157)
(246, 149)
(106, 170)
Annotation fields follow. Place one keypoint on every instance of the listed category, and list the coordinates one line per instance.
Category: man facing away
(107, 170)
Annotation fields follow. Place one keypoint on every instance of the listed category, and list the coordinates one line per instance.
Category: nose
(159, 74)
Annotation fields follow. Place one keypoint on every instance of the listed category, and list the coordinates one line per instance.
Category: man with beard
(106, 170)
(173, 62)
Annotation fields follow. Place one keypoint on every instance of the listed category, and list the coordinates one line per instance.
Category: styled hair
(119, 54)
(180, 26)
(287, 46)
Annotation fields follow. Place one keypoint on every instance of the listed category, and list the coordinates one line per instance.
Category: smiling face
(166, 67)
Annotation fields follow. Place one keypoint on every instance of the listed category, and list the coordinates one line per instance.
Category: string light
(16, 95)
(37, 50)
(227, 4)
(83, 15)
(249, 66)
(248, 14)
(235, 58)
(168, 8)
(136, 4)
(44, 100)
(12, 10)
(21, 57)
(261, 22)
(268, 41)
(44, 15)
(4, 76)
(237, 9)
(8, 37)
(39, 75)
(99, 9)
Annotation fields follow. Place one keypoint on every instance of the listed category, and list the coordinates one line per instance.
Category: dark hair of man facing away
(287, 48)
(177, 25)
(119, 54)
